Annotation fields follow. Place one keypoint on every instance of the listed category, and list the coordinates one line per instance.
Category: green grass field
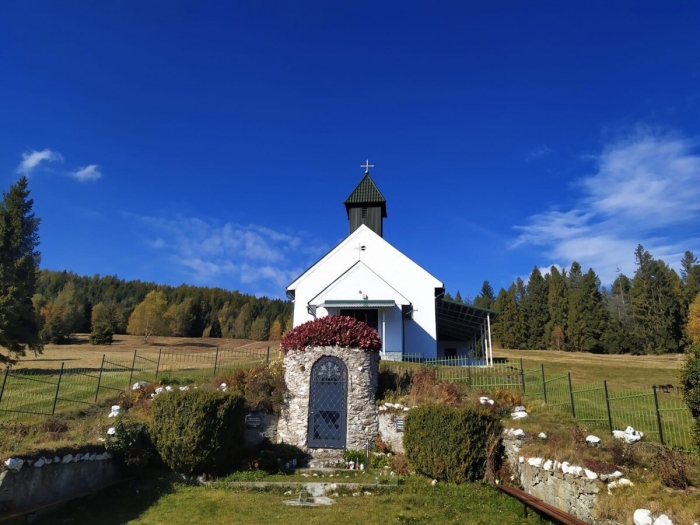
(415, 503)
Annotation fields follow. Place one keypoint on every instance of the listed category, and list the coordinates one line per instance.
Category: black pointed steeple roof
(366, 192)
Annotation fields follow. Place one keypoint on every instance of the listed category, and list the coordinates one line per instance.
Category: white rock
(542, 435)
(184, 388)
(619, 434)
(48, 461)
(434, 482)
(593, 440)
(616, 474)
(576, 471)
(406, 409)
(642, 517)
(111, 431)
(548, 465)
(565, 467)
(519, 433)
(663, 520)
(67, 458)
(40, 463)
(116, 410)
(382, 408)
(535, 462)
(223, 385)
(14, 463)
(519, 415)
(92, 457)
(491, 402)
(56, 459)
(519, 409)
(159, 390)
(521, 459)
(624, 482)
(139, 385)
(168, 388)
(590, 474)
(86, 457)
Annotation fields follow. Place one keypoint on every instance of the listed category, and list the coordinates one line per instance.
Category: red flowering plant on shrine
(332, 330)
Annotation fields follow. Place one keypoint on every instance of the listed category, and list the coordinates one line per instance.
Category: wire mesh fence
(663, 417)
(25, 392)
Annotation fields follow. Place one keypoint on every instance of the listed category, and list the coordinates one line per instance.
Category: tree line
(649, 313)
(67, 303)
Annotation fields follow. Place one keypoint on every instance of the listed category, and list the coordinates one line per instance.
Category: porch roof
(460, 322)
(390, 303)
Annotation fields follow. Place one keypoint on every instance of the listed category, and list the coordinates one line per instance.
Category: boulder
(642, 517)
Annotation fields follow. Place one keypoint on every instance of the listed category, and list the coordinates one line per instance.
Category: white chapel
(367, 278)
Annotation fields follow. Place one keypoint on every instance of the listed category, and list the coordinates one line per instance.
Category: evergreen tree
(522, 321)
(101, 334)
(587, 315)
(557, 308)
(693, 325)
(19, 263)
(655, 305)
(458, 297)
(259, 330)
(535, 307)
(690, 278)
(486, 297)
(506, 325)
(619, 336)
(448, 296)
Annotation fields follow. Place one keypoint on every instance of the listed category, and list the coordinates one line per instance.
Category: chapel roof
(366, 192)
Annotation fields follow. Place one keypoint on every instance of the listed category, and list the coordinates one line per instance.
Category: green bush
(690, 387)
(199, 431)
(451, 444)
(132, 444)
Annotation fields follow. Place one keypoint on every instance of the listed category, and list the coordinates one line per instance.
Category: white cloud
(645, 189)
(91, 172)
(32, 159)
(211, 252)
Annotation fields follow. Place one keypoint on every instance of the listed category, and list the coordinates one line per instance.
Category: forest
(570, 310)
(67, 303)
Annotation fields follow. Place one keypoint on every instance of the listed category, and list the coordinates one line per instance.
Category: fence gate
(328, 403)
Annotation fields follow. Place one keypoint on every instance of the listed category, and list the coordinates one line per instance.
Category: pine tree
(587, 315)
(506, 325)
(486, 297)
(655, 305)
(458, 297)
(535, 307)
(19, 263)
(522, 327)
(557, 307)
(619, 336)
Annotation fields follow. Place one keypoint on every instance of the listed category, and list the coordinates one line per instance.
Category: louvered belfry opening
(328, 403)
(366, 205)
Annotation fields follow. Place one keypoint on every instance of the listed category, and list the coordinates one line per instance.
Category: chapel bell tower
(366, 205)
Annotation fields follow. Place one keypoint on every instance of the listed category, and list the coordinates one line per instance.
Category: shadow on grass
(113, 506)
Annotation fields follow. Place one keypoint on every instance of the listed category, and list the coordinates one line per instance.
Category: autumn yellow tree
(275, 331)
(149, 317)
(693, 327)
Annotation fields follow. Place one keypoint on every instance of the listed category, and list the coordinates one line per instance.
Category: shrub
(332, 330)
(623, 453)
(132, 444)
(392, 384)
(690, 387)
(199, 431)
(399, 464)
(274, 458)
(264, 387)
(427, 388)
(672, 467)
(356, 456)
(451, 444)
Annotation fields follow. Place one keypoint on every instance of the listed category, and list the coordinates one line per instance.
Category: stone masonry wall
(363, 380)
(576, 495)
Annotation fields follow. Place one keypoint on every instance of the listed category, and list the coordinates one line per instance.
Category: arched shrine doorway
(328, 403)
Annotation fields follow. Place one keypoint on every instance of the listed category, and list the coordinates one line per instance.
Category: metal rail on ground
(551, 512)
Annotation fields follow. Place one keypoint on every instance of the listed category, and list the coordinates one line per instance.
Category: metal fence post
(131, 374)
(522, 374)
(607, 403)
(571, 394)
(544, 385)
(160, 350)
(58, 386)
(268, 355)
(216, 359)
(99, 378)
(4, 382)
(658, 415)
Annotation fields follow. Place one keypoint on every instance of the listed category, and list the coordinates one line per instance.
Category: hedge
(451, 444)
(199, 431)
(332, 330)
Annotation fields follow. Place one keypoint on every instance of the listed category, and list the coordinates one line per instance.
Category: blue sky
(214, 143)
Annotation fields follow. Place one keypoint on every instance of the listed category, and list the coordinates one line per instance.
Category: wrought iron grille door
(328, 403)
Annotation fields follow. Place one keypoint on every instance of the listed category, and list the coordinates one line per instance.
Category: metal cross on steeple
(367, 166)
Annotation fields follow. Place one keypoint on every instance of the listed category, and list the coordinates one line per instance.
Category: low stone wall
(573, 494)
(388, 432)
(266, 430)
(363, 380)
(30, 487)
